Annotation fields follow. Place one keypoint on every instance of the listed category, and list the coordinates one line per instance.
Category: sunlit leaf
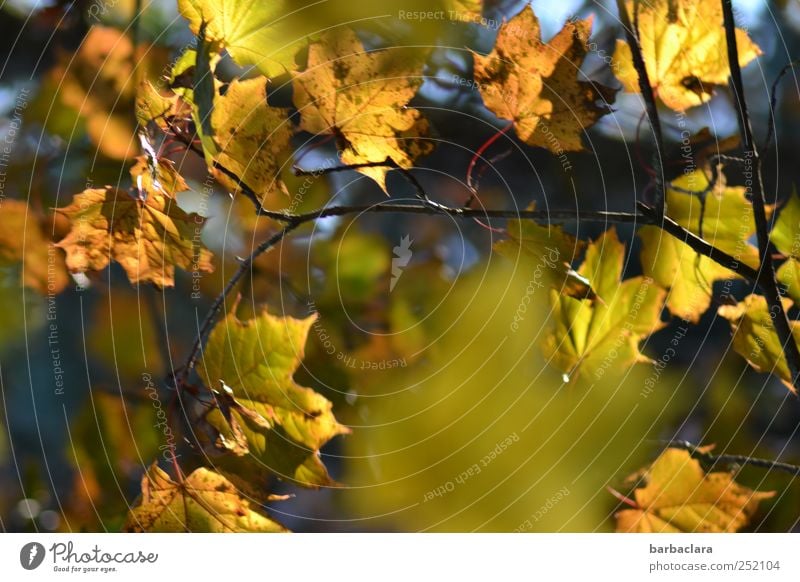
(536, 85)
(148, 234)
(361, 98)
(257, 359)
(785, 236)
(754, 336)
(727, 223)
(592, 339)
(680, 497)
(204, 502)
(684, 48)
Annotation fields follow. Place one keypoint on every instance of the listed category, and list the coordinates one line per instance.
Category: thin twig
(651, 106)
(767, 279)
(773, 103)
(711, 459)
(245, 266)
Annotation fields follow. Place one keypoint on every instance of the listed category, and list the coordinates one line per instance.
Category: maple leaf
(361, 98)
(680, 497)
(727, 223)
(205, 501)
(148, 234)
(24, 243)
(549, 251)
(684, 49)
(785, 236)
(536, 86)
(284, 424)
(152, 105)
(249, 136)
(754, 336)
(587, 338)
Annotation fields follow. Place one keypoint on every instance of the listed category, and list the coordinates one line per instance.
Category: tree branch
(651, 106)
(743, 460)
(766, 275)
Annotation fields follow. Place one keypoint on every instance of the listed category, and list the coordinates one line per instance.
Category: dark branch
(632, 36)
(710, 459)
(767, 279)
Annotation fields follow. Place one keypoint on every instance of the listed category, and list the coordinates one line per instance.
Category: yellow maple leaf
(754, 336)
(361, 98)
(148, 234)
(684, 50)
(680, 497)
(24, 243)
(205, 501)
(590, 339)
(249, 136)
(535, 84)
(728, 224)
(270, 420)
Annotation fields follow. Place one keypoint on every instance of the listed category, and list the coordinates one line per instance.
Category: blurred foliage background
(429, 373)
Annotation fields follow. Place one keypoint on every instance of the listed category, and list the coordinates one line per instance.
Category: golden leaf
(680, 497)
(727, 223)
(536, 86)
(754, 336)
(684, 50)
(361, 98)
(204, 502)
(147, 234)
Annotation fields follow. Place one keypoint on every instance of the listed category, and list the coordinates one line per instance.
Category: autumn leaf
(680, 497)
(204, 502)
(361, 98)
(284, 424)
(590, 338)
(785, 236)
(535, 84)
(684, 50)
(99, 82)
(249, 136)
(24, 243)
(148, 234)
(549, 252)
(755, 339)
(153, 105)
(727, 223)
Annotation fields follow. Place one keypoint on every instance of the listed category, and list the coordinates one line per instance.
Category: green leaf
(548, 252)
(204, 502)
(256, 359)
(727, 223)
(785, 236)
(590, 339)
(754, 336)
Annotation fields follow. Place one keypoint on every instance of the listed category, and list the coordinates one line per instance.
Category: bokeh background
(457, 384)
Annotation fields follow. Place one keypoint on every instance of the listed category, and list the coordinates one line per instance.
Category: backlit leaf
(361, 98)
(149, 234)
(727, 223)
(590, 339)
(204, 502)
(256, 359)
(680, 497)
(684, 50)
(535, 84)
(754, 336)
(785, 236)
